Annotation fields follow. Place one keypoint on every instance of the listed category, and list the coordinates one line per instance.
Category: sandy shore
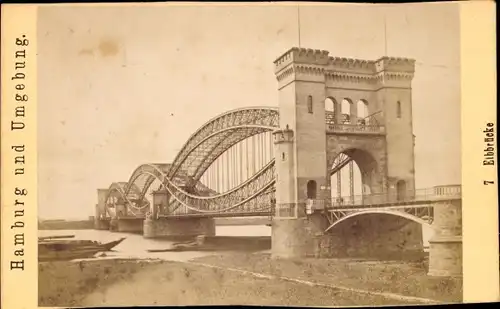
(245, 279)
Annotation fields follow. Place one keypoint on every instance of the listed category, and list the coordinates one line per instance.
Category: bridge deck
(417, 198)
(345, 207)
(426, 202)
(221, 215)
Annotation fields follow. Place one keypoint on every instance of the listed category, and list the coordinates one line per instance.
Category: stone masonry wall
(374, 235)
(296, 238)
(130, 225)
(179, 227)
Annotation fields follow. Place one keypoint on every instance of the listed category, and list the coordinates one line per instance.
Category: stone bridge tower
(382, 143)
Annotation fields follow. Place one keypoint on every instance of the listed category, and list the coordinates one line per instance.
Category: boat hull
(72, 249)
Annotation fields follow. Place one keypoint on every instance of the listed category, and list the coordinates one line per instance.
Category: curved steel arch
(220, 144)
(207, 146)
(263, 117)
(136, 173)
(119, 188)
(398, 213)
(227, 201)
(339, 162)
(203, 147)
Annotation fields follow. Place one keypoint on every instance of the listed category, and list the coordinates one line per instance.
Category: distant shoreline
(66, 225)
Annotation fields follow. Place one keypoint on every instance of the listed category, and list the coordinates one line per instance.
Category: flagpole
(298, 22)
(385, 35)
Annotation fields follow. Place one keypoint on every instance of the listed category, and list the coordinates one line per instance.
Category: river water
(136, 246)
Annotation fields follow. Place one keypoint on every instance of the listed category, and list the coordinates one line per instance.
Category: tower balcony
(367, 125)
(355, 129)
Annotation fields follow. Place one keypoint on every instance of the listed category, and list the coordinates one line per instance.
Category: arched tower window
(311, 189)
(310, 104)
(346, 111)
(330, 110)
(399, 110)
(362, 111)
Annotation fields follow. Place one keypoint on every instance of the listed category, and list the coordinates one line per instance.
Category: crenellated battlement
(301, 55)
(314, 62)
(364, 66)
(395, 64)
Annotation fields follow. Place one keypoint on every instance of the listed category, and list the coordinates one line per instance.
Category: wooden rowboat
(55, 237)
(52, 250)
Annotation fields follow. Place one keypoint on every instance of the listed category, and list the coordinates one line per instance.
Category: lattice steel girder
(339, 164)
(351, 179)
(248, 193)
(137, 172)
(264, 117)
(222, 146)
(207, 150)
(213, 146)
(116, 196)
(199, 152)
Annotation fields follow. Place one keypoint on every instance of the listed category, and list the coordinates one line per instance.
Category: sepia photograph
(279, 154)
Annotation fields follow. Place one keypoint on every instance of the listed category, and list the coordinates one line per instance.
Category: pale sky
(123, 86)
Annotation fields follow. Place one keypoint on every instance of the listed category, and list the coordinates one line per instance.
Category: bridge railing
(410, 196)
(447, 191)
(363, 125)
(352, 128)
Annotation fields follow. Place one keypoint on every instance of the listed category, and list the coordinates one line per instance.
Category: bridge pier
(174, 227)
(288, 239)
(445, 247)
(100, 210)
(113, 225)
(129, 225)
(297, 237)
(101, 224)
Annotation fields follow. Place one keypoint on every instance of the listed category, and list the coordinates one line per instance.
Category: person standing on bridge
(273, 202)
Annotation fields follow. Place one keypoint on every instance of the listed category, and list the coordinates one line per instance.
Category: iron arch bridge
(225, 168)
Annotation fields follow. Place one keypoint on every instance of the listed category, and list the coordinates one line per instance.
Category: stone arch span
(366, 161)
(363, 158)
(369, 154)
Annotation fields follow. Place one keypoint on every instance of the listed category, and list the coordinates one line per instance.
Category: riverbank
(66, 225)
(242, 278)
(406, 278)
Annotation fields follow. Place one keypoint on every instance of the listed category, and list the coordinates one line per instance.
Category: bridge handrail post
(354, 128)
(447, 191)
